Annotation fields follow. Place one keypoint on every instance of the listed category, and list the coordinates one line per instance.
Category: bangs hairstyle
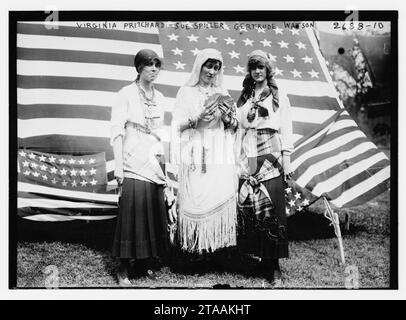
(148, 62)
(214, 61)
(255, 62)
(249, 83)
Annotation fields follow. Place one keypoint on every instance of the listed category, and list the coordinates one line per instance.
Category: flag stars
(93, 182)
(299, 208)
(305, 202)
(287, 212)
(35, 174)
(301, 45)
(54, 170)
(22, 153)
(288, 59)
(92, 160)
(260, 30)
(296, 74)
(42, 158)
(288, 190)
(26, 172)
(54, 181)
(225, 26)
(82, 172)
(73, 172)
(192, 38)
(234, 54)
(64, 183)
(313, 74)
(72, 161)
(81, 161)
(52, 159)
(195, 51)
(292, 203)
(26, 163)
(177, 51)
(272, 57)
(173, 37)
(294, 31)
(278, 72)
(230, 41)
(283, 44)
(211, 39)
(297, 195)
(92, 171)
(238, 69)
(83, 183)
(278, 30)
(178, 65)
(32, 156)
(248, 42)
(74, 183)
(307, 59)
(43, 167)
(266, 43)
(63, 171)
(44, 177)
(34, 165)
(62, 160)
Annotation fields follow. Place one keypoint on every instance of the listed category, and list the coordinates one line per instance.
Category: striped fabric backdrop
(67, 78)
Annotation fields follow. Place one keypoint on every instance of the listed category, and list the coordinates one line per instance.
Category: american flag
(63, 184)
(67, 78)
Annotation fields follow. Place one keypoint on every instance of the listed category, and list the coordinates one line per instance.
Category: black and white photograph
(253, 150)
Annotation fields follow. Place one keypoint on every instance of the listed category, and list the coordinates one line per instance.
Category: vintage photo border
(15, 16)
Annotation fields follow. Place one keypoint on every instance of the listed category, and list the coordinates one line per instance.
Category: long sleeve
(118, 117)
(286, 126)
(180, 115)
(183, 104)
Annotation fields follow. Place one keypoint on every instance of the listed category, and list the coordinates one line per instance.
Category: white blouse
(279, 120)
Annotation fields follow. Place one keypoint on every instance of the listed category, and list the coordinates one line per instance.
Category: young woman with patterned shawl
(266, 139)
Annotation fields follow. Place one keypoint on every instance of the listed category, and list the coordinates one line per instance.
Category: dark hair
(147, 63)
(249, 84)
(212, 61)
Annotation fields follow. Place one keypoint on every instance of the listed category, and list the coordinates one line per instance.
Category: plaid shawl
(254, 194)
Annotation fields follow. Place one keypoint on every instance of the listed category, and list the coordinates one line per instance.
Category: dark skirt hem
(142, 225)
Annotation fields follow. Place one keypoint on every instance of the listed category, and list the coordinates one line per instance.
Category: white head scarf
(201, 58)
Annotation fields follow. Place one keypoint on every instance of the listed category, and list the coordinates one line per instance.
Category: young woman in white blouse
(136, 137)
(266, 145)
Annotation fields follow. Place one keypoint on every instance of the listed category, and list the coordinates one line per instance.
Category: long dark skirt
(253, 235)
(142, 225)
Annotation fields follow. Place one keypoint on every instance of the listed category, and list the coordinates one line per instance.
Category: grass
(81, 253)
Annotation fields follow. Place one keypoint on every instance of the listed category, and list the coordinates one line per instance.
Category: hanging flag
(67, 79)
(63, 184)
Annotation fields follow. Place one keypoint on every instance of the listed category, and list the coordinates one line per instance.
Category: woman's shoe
(122, 273)
(123, 280)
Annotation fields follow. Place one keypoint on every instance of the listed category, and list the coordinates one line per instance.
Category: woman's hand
(171, 204)
(172, 214)
(207, 113)
(226, 118)
(119, 175)
(287, 170)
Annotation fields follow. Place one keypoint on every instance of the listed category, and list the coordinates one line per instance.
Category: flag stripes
(35, 111)
(67, 79)
(60, 218)
(364, 190)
